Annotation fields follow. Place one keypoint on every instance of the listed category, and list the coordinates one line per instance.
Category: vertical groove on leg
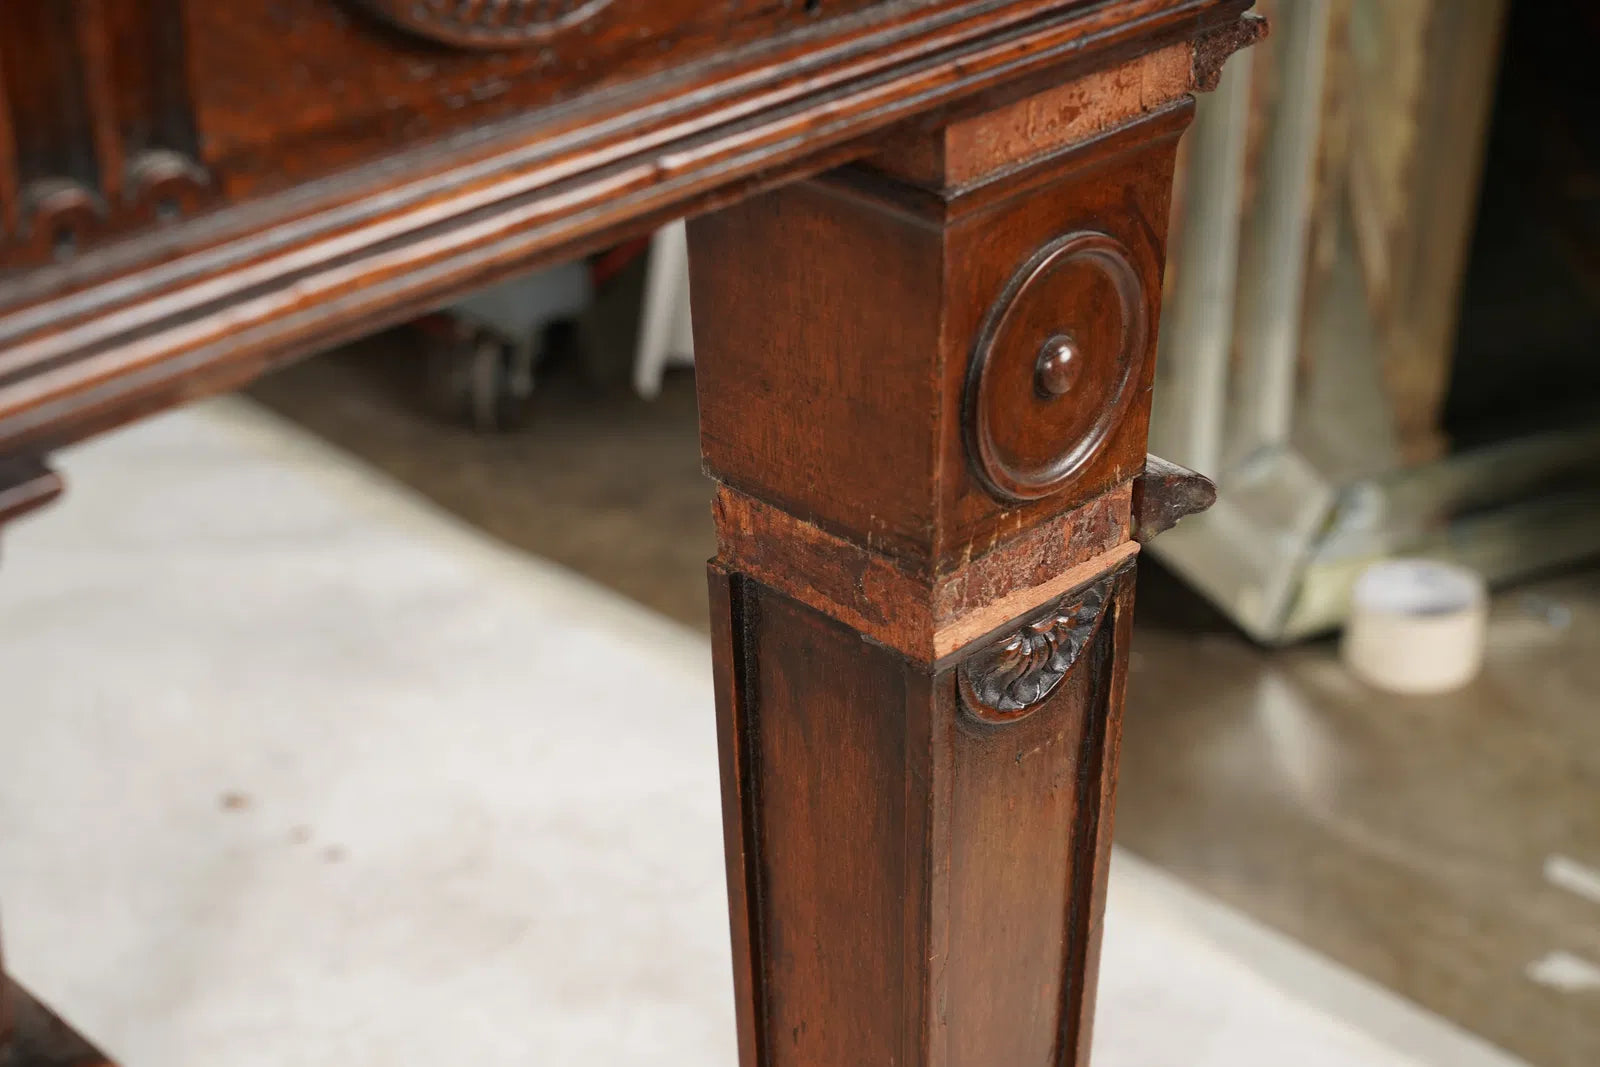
(733, 669)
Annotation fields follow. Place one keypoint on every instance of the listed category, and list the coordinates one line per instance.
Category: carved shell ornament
(1013, 676)
(486, 23)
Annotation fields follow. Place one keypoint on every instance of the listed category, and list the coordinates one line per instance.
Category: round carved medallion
(486, 23)
(1055, 366)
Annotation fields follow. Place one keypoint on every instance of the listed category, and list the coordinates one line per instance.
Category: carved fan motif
(486, 23)
(1013, 676)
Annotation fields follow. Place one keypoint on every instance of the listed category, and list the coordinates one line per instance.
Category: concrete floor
(300, 770)
(1440, 846)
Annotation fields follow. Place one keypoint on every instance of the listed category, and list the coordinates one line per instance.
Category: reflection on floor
(1439, 846)
(1436, 845)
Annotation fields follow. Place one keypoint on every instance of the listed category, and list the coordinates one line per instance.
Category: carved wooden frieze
(1013, 676)
(96, 128)
(1056, 365)
(486, 23)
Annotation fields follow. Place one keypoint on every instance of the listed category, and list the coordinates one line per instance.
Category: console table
(926, 257)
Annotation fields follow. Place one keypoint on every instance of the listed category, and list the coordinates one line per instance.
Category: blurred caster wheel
(482, 379)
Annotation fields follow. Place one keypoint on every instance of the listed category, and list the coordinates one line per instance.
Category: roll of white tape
(1416, 626)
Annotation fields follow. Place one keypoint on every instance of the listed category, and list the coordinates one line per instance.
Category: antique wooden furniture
(926, 265)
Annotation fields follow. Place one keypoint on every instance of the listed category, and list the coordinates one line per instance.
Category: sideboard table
(926, 253)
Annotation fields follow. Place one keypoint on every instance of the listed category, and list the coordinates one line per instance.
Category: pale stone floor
(275, 779)
(1419, 842)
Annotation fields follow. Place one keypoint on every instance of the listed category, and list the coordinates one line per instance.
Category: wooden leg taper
(924, 393)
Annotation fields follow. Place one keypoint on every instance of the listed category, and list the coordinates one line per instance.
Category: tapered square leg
(924, 393)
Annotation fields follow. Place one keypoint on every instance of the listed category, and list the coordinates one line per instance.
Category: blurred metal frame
(1305, 344)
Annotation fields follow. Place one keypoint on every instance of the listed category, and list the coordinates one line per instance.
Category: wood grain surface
(924, 386)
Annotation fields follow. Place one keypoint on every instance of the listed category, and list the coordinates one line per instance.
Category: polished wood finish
(102, 139)
(910, 882)
(208, 303)
(874, 441)
(924, 386)
(926, 269)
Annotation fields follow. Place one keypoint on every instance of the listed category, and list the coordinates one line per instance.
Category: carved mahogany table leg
(924, 393)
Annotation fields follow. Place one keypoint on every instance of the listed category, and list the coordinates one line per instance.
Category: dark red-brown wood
(910, 883)
(924, 388)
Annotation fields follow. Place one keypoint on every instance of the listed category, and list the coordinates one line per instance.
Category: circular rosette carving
(1056, 365)
(1013, 676)
(485, 23)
